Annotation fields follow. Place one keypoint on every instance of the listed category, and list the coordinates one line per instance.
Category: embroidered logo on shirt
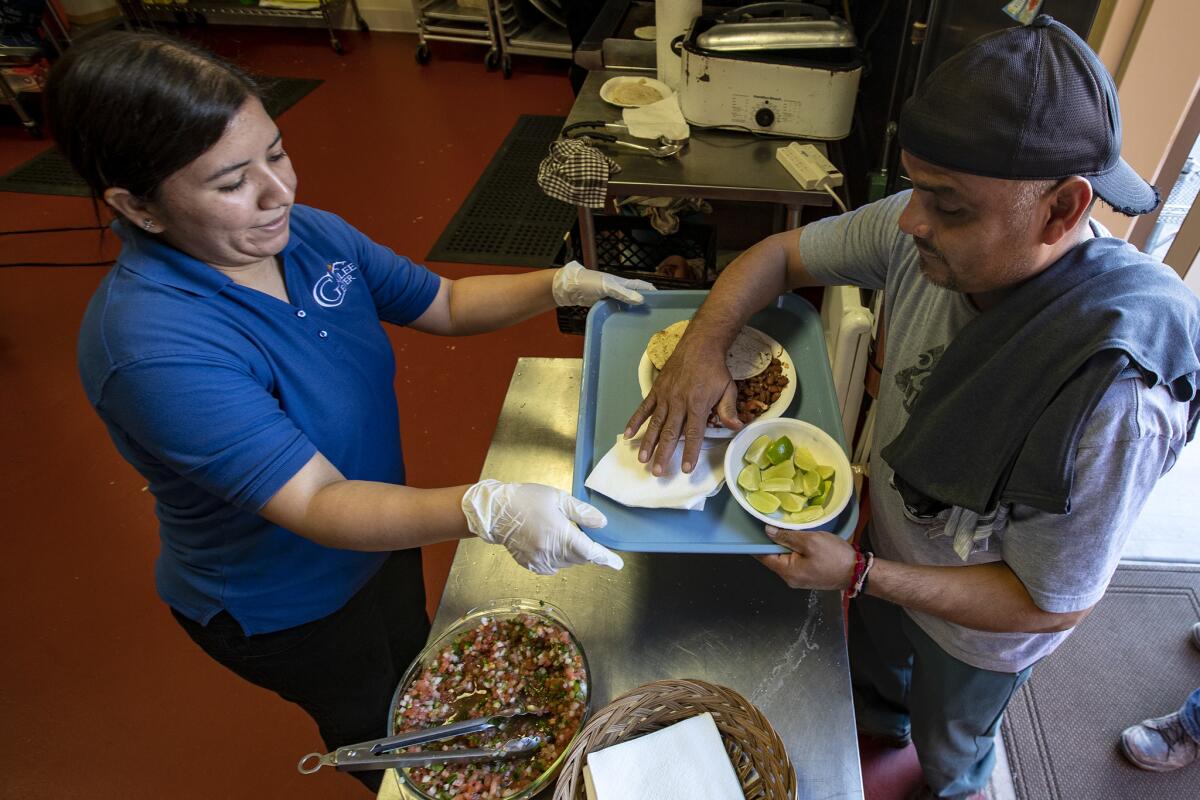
(911, 380)
(330, 289)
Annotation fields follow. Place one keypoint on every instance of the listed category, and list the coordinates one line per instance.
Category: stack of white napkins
(685, 761)
(662, 118)
(620, 476)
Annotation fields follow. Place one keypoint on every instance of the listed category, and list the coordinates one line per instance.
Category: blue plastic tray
(615, 339)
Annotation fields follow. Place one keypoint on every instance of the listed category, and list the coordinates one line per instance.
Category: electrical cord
(837, 199)
(57, 264)
(33, 231)
(54, 230)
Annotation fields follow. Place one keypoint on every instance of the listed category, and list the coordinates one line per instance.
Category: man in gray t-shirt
(1064, 562)
(1006, 144)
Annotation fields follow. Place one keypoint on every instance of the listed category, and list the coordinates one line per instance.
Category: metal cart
(26, 51)
(144, 14)
(534, 29)
(447, 21)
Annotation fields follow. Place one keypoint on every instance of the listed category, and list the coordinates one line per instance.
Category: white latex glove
(537, 524)
(575, 285)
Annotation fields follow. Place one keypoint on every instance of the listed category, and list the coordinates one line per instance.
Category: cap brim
(1124, 190)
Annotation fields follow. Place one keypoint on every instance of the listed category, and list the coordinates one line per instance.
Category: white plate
(610, 85)
(647, 373)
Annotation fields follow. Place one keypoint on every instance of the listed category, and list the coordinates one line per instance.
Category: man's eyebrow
(941, 191)
(235, 167)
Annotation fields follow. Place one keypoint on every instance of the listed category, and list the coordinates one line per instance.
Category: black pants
(342, 669)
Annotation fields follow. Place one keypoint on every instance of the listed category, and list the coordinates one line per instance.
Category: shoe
(887, 739)
(1160, 744)
(1196, 635)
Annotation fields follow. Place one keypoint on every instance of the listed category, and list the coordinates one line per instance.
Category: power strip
(808, 166)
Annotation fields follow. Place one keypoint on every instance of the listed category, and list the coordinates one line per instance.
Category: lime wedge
(780, 450)
(763, 502)
(791, 502)
(825, 472)
(749, 478)
(784, 469)
(812, 483)
(804, 459)
(756, 449)
(807, 515)
(776, 485)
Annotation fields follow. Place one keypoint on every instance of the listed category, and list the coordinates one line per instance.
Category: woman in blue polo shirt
(235, 353)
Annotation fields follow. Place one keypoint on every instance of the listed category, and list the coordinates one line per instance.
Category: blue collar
(154, 259)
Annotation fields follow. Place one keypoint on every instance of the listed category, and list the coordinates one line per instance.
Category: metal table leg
(587, 237)
(793, 217)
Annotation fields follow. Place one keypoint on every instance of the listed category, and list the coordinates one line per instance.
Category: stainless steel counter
(724, 619)
(717, 165)
(611, 43)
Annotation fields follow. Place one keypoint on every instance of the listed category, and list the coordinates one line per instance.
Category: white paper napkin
(620, 476)
(662, 118)
(684, 761)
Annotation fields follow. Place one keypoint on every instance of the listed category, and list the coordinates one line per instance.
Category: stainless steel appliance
(791, 75)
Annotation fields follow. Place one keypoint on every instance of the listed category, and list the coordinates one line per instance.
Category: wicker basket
(757, 753)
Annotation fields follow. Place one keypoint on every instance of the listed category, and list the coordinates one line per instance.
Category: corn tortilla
(636, 94)
(749, 354)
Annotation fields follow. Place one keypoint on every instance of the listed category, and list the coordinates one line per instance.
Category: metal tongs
(663, 146)
(374, 754)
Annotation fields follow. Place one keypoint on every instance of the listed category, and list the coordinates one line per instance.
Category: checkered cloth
(576, 173)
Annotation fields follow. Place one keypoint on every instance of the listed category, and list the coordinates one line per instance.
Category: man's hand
(693, 380)
(818, 560)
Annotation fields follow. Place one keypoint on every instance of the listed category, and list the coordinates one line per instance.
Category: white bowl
(825, 450)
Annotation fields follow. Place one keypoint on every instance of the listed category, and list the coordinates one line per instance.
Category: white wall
(88, 10)
(389, 15)
(1161, 76)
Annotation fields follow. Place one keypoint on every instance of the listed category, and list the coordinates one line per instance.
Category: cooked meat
(757, 393)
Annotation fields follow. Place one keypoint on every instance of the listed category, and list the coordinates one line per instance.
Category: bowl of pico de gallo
(509, 655)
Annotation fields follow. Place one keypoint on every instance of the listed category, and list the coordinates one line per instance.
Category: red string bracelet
(860, 564)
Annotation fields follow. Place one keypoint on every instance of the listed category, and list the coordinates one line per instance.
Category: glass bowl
(503, 609)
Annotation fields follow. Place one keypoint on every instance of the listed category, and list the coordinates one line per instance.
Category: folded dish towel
(576, 173)
(657, 119)
(684, 761)
(620, 476)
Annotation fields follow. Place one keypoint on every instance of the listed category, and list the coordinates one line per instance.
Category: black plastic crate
(631, 248)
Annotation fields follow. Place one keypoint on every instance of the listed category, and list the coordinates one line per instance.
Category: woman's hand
(574, 285)
(537, 524)
(818, 560)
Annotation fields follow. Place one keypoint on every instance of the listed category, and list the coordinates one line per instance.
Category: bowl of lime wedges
(788, 473)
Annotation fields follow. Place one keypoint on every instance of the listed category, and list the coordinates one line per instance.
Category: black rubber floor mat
(49, 173)
(507, 219)
(1131, 659)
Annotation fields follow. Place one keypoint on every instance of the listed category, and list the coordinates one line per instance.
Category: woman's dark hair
(131, 109)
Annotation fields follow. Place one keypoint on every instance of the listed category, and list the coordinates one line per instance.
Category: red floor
(102, 694)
